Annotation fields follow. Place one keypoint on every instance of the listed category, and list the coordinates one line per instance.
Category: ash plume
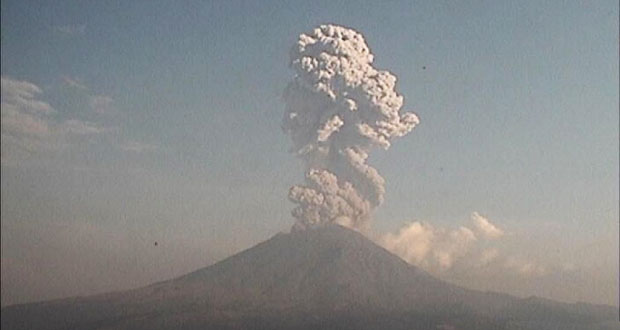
(338, 108)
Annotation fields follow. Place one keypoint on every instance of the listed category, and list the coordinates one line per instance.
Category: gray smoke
(338, 107)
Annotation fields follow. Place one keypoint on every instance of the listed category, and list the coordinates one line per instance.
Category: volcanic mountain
(323, 278)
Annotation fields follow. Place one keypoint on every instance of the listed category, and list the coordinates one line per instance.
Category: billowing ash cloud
(338, 107)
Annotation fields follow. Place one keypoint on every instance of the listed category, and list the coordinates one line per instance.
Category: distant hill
(324, 278)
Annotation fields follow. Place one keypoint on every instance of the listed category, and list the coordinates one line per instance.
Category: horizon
(143, 141)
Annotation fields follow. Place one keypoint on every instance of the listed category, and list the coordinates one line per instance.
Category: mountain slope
(329, 277)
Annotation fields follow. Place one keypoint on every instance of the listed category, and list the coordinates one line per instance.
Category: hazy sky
(129, 123)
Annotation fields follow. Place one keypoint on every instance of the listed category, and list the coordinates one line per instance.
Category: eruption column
(338, 107)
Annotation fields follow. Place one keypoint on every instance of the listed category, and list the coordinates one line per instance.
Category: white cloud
(412, 243)
(434, 249)
(453, 253)
(485, 227)
(73, 83)
(79, 127)
(31, 125)
(524, 267)
(101, 104)
(138, 147)
(19, 122)
(453, 244)
(71, 29)
(22, 96)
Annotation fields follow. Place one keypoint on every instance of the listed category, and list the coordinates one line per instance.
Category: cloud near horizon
(448, 252)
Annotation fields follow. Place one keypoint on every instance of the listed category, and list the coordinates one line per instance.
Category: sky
(126, 124)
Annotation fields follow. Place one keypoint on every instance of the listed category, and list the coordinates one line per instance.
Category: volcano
(329, 277)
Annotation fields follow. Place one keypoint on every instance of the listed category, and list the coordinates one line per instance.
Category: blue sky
(165, 126)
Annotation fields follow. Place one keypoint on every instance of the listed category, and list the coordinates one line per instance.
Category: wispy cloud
(80, 127)
(102, 104)
(30, 125)
(23, 96)
(70, 29)
(524, 267)
(138, 147)
(22, 123)
(97, 103)
(73, 83)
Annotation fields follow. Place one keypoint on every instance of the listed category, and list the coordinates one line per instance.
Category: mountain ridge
(328, 277)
